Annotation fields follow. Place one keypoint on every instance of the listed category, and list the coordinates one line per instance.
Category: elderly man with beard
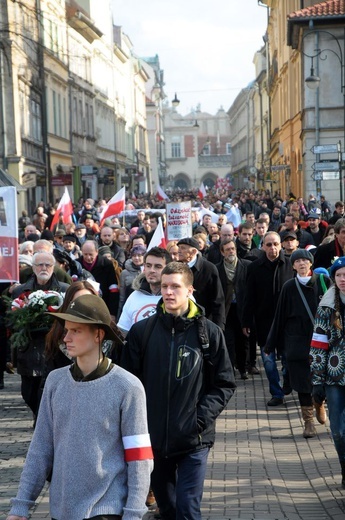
(30, 360)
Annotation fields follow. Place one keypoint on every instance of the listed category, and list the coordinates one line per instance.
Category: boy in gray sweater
(91, 431)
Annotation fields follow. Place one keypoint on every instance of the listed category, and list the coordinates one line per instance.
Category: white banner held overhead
(9, 265)
(179, 220)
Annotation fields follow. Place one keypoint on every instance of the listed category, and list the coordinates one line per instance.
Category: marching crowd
(166, 329)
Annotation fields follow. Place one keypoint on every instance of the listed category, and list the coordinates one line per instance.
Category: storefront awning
(7, 180)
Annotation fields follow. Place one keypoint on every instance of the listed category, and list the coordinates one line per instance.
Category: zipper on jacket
(179, 362)
(172, 345)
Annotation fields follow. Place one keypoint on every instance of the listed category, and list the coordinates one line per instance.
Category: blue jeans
(272, 374)
(178, 484)
(336, 410)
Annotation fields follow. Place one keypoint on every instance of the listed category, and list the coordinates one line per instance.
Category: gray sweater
(94, 436)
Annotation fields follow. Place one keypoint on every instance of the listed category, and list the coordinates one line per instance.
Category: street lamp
(175, 102)
(313, 81)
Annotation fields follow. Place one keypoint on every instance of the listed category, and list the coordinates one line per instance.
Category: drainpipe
(2, 109)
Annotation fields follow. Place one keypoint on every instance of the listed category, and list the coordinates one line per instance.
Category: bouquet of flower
(27, 314)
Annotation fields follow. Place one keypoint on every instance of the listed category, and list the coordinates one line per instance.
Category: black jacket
(292, 328)
(208, 291)
(239, 282)
(325, 254)
(185, 393)
(104, 273)
(264, 283)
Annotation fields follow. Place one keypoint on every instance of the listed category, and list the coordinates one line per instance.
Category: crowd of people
(187, 320)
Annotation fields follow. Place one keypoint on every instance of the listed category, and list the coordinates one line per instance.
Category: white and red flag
(158, 237)
(115, 205)
(160, 194)
(65, 208)
(202, 191)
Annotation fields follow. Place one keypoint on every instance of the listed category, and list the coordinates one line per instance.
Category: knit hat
(69, 238)
(301, 253)
(47, 235)
(189, 241)
(59, 233)
(25, 259)
(89, 309)
(138, 250)
(321, 270)
(337, 264)
(105, 250)
(32, 237)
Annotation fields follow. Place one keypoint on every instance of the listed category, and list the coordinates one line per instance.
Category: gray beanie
(301, 253)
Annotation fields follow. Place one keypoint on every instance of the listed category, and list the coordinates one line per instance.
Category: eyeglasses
(270, 244)
(43, 265)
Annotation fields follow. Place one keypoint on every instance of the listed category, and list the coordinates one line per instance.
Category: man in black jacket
(266, 277)
(185, 395)
(325, 253)
(103, 272)
(208, 291)
(233, 274)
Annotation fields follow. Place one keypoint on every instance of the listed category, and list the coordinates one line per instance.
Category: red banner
(9, 265)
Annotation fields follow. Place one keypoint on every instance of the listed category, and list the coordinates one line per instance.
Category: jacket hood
(140, 284)
(195, 311)
(328, 298)
(129, 266)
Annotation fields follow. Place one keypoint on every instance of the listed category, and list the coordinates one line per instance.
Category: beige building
(197, 147)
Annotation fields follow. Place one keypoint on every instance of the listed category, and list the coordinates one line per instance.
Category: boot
(308, 418)
(320, 412)
(342, 464)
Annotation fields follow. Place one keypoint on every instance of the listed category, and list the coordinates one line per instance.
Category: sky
(206, 49)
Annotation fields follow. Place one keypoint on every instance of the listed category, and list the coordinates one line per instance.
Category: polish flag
(115, 205)
(158, 237)
(65, 208)
(160, 194)
(202, 192)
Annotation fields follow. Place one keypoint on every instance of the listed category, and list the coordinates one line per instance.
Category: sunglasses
(270, 244)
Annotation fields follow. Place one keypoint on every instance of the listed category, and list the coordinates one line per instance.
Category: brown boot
(308, 418)
(320, 412)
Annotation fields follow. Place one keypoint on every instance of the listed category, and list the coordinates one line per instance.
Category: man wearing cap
(325, 253)
(106, 238)
(58, 236)
(316, 227)
(97, 441)
(289, 242)
(69, 244)
(266, 277)
(80, 233)
(208, 290)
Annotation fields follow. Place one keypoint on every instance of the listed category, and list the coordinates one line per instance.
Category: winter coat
(327, 352)
(208, 290)
(127, 276)
(185, 392)
(104, 273)
(292, 328)
(325, 254)
(239, 282)
(264, 283)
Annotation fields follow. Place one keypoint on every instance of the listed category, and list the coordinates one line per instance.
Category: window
(175, 149)
(206, 149)
(228, 148)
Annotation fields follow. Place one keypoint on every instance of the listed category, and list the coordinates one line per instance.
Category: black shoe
(244, 375)
(253, 371)
(275, 401)
(286, 387)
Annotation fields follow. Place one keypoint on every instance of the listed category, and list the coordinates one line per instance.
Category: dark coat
(292, 328)
(30, 358)
(264, 283)
(185, 393)
(325, 254)
(104, 273)
(208, 290)
(239, 282)
(214, 255)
